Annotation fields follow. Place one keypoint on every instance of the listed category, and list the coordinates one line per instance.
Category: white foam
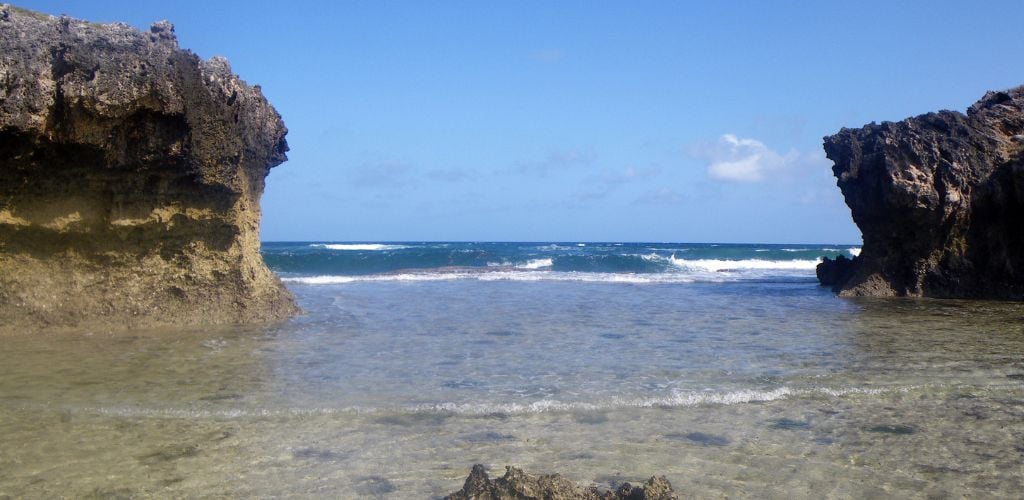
(678, 399)
(536, 264)
(717, 265)
(584, 277)
(525, 275)
(684, 271)
(338, 280)
(358, 246)
(854, 251)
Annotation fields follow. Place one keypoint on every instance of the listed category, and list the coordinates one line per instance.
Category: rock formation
(130, 179)
(939, 199)
(518, 485)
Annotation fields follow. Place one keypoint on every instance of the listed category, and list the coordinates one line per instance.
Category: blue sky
(584, 121)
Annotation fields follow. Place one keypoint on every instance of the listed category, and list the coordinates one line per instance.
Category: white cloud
(736, 159)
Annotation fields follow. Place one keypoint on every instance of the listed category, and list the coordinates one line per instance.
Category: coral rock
(939, 199)
(518, 485)
(130, 179)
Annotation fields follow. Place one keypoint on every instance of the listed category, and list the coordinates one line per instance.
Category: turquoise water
(732, 374)
(324, 262)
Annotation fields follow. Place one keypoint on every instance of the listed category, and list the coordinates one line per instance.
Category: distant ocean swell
(339, 263)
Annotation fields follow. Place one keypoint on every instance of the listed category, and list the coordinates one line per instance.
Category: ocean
(725, 367)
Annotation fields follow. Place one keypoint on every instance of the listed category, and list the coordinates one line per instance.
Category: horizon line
(385, 241)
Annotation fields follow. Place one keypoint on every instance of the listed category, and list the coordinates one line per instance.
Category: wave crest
(717, 265)
(358, 246)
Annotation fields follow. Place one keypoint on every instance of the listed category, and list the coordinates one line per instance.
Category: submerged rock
(939, 199)
(518, 485)
(130, 179)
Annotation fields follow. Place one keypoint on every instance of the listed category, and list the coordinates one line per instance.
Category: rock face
(130, 179)
(939, 199)
(518, 485)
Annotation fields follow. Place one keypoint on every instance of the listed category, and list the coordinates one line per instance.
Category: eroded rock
(518, 485)
(130, 179)
(939, 199)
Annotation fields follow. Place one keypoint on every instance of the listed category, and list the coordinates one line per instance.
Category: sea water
(724, 367)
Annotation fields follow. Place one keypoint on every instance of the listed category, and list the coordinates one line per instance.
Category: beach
(737, 381)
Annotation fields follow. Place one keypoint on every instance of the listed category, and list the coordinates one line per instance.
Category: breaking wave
(337, 263)
(717, 265)
(357, 246)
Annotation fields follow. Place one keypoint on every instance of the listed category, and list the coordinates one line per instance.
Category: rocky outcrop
(939, 199)
(518, 485)
(130, 179)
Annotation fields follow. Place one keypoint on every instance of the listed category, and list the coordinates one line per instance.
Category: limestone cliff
(939, 199)
(130, 179)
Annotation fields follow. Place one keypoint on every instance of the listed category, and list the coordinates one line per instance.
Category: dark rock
(130, 179)
(700, 438)
(892, 429)
(487, 437)
(833, 272)
(317, 454)
(789, 424)
(939, 199)
(518, 485)
(374, 486)
(170, 454)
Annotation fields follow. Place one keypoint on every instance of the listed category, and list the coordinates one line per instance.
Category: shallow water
(394, 389)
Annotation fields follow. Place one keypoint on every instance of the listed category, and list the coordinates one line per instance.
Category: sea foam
(718, 265)
(536, 264)
(358, 246)
(676, 399)
(525, 275)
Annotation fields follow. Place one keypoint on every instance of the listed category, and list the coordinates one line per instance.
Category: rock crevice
(130, 179)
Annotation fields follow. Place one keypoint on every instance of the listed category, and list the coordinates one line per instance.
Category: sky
(581, 121)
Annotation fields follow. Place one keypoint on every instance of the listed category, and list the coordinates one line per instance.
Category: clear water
(752, 384)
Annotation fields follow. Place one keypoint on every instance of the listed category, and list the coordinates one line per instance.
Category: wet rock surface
(939, 199)
(518, 485)
(130, 179)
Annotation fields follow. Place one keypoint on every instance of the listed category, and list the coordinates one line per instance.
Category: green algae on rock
(130, 178)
